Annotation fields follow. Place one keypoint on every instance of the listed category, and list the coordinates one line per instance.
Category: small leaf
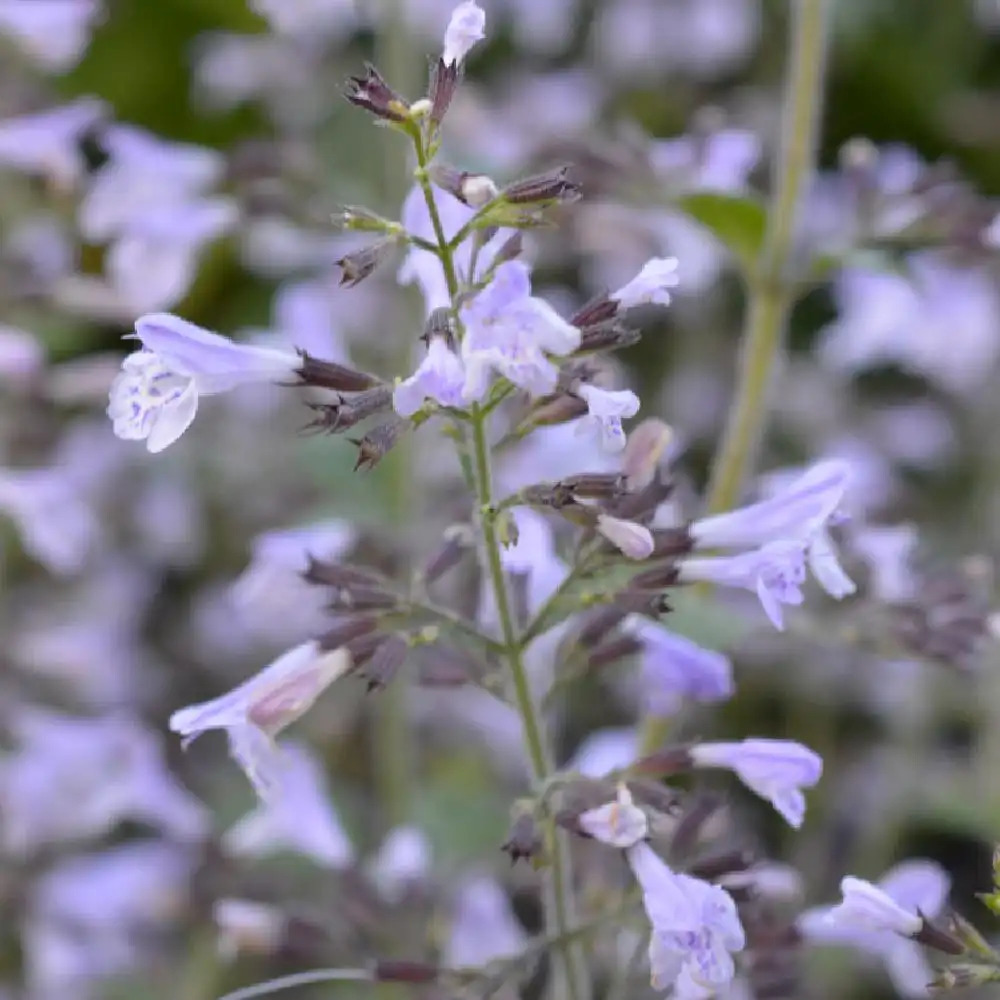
(739, 222)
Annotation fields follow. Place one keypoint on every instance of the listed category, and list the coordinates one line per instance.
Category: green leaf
(738, 221)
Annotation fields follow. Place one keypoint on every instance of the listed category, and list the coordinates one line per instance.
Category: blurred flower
(618, 824)
(631, 539)
(466, 27)
(776, 770)
(775, 573)
(22, 356)
(675, 669)
(887, 551)
(155, 398)
(870, 908)
(510, 331)
(73, 778)
(606, 409)
(309, 18)
(695, 928)
(440, 376)
(47, 143)
(940, 321)
(55, 33)
(402, 862)
(915, 887)
(605, 751)
(95, 916)
(483, 925)
(256, 711)
(248, 927)
(650, 285)
(300, 819)
(56, 524)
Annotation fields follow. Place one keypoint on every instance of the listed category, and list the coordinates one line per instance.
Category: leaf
(739, 222)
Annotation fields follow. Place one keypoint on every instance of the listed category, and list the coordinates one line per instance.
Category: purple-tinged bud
(446, 667)
(595, 313)
(474, 190)
(557, 410)
(363, 648)
(633, 540)
(378, 442)
(385, 662)
(718, 865)
(595, 485)
(358, 265)
(511, 249)
(349, 411)
(444, 82)
(607, 337)
(354, 598)
(665, 762)
(347, 632)
(642, 505)
(599, 623)
(458, 542)
(671, 542)
(694, 823)
(612, 651)
(551, 187)
(524, 841)
(662, 798)
(329, 574)
(404, 971)
(372, 93)
(329, 375)
(646, 446)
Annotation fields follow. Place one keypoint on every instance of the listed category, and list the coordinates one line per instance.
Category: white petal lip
(173, 420)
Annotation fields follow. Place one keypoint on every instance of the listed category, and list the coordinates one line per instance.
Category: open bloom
(775, 573)
(606, 409)
(256, 711)
(511, 332)
(440, 376)
(301, 819)
(620, 823)
(695, 927)
(155, 398)
(466, 27)
(876, 919)
(777, 770)
(650, 285)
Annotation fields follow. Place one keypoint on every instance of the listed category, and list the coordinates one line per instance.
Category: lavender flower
(466, 27)
(605, 751)
(695, 928)
(605, 412)
(484, 927)
(305, 19)
(301, 819)
(54, 33)
(675, 669)
(155, 398)
(619, 824)
(916, 887)
(440, 376)
(631, 539)
(510, 331)
(650, 285)
(47, 143)
(776, 770)
(871, 908)
(775, 573)
(402, 862)
(256, 711)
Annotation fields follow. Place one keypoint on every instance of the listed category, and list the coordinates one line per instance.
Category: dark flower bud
(619, 648)
(355, 598)
(349, 411)
(372, 93)
(595, 486)
(378, 442)
(932, 936)
(597, 624)
(512, 248)
(474, 190)
(328, 574)
(330, 375)
(444, 83)
(717, 865)
(607, 337)
(641, 603)
(553, 186)
(385, 662)
(356, 266)
(554, 495)
(665, 762)
(458, 543)
(346, 632)
(595, 313)
(525, 838)
(692, 824)
(403, 971)
(656, 795)
(363, 648)
(654, 579)
(641, 505)
(671, 542)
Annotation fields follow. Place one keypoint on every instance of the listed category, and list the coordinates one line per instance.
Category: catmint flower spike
(372, 93)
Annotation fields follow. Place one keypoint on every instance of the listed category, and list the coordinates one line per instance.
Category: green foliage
(738, 221)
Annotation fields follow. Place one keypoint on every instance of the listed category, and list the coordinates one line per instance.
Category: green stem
(570, 981)
(769, 288)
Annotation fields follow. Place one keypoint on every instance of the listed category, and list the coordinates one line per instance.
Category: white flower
(605, 412)
(633, 540)
(466, 27)
(650, 284)
(619, 824)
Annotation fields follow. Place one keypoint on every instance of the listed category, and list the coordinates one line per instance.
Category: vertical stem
(770, 291)
(570, 979)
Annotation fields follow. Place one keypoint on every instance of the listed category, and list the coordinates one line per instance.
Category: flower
(155, 397)
(307, 18)
(695, 927)
(865, 905)
(301, 819)
(650, 284)
(776, 770)
(484, 927)
(619, 824)
(510, 331)
(604, 751)
(916, 886)
(52, 32)
(674, 668)
(633, 540)
(775, 572)
(440, 376)
(256, 711)
(403, 860)
(606, 410)
(466, 27)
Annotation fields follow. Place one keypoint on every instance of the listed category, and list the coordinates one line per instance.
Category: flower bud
(347, 632)
(595, 313)
(525, 838)
(458, 542)
(350, 410)
(444, 82)
(357, 598)
(609, 652)
(631, 539)
(372, 93)
(358, 219)
(385, 662)
(551, 187)
(378, 442)
(330, 375)
(358, 265)
(645, 448)
(607, 337)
